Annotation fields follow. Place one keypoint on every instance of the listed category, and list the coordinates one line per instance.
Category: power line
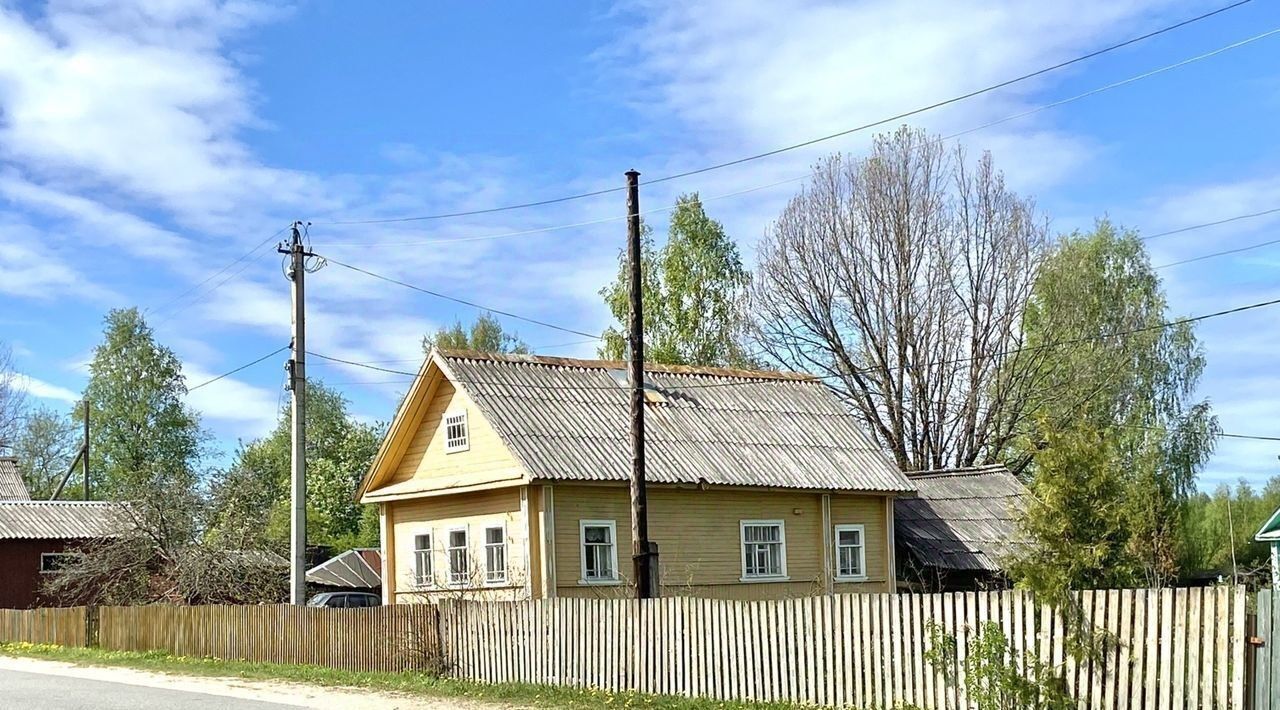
(1210, 224)
(1224, 252)
(214, 275)
(238, 369)
(464, 302)
(812, 141)
(1030, 348)
(1011, 117)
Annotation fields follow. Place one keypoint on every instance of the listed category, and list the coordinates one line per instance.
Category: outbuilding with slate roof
(40, 536)
(505, 476)
(960, 529)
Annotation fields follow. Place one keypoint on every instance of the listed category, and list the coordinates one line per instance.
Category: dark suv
(345, 600)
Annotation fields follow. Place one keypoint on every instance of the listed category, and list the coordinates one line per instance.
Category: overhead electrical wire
(952, 136)
(1014, 351)
(1203, 225)
(464, 302)
(162, 307)
(238, 369)
(809, 142)
(1224, 252)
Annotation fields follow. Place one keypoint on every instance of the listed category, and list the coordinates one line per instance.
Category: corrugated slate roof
(962, 519)
(59, 519)
(11, 485)
(357, 569)
(569, 419)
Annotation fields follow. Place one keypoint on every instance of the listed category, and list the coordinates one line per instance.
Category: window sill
(496, 583)
(843, 580)
(599, 582)
(764, 580)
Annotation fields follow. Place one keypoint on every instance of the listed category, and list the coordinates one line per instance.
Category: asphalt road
(40, 691)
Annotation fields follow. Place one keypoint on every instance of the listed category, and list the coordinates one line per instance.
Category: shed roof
(59, 519)
(962, 519)
(357, 569)
(11, 485)
(566, 419)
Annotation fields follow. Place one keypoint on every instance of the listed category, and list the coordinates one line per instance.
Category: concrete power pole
(298, 386)
(642, 553)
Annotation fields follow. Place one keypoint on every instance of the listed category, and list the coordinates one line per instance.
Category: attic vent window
(652, 393)
(455, 432)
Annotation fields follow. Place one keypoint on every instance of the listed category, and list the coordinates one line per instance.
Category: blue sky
(145, 146)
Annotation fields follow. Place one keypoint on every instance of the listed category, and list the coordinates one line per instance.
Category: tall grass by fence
(1172, 649)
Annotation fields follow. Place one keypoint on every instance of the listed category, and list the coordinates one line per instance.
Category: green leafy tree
(44, 448)
(1220, 528)
(143, 436)
(250, 500)
(1117, 414)
(145, 451)
(485, 334)
(693, 287)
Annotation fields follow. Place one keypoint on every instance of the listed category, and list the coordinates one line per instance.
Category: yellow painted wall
(487, 459)
(868, 511)
(699, 538)
(437, 515)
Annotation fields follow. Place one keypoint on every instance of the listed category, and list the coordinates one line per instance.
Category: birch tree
(901, 278)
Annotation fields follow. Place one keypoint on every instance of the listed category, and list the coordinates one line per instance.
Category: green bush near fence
(408, 683)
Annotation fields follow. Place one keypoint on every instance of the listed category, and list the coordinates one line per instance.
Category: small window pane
(495, 555)
(455, 432)
(459, 563)
(762, 552)
(598, 553)
(422, 568)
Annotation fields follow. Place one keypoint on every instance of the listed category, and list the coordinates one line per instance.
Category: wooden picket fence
(1170, 649)
(64, 627)
(390, 638)
(1173, 649)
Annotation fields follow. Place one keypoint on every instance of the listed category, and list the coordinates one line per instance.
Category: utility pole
(85, 457)
(298, 386)
(642, 553)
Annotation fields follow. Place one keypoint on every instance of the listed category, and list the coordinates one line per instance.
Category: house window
(57, 561)
(455, 432)
(422, 573)
(495, 555)
(851, 552)
(599, 551)
(764, 550)
(459, 567)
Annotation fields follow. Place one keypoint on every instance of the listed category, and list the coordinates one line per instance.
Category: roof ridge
(958, 472)
(598, 364)
(60, 502)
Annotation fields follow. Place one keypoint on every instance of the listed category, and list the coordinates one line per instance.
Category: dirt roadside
(284, 693)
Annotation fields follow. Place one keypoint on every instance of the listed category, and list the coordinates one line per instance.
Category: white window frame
(453, 445)
(419, 581)
(742, 550)
(582, 552)
(466, 556)
(72, 557)
(862, 552)
(489, 577)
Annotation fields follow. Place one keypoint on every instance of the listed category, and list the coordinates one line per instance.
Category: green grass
(408, 683)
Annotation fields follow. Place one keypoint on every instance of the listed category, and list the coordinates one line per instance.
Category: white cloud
(45, 390)
(238, 407)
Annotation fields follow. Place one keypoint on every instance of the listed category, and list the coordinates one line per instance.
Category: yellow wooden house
(506, 477)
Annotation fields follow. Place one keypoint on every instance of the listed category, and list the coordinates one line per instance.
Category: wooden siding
(870, 512)
(699, 538)
(438, 515)
(485, 461)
